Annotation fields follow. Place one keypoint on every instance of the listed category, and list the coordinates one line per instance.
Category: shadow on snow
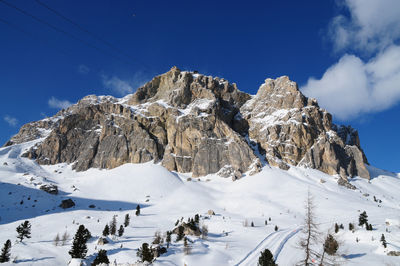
(18, 202)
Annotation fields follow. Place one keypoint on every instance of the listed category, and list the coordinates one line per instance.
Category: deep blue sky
(242, 41)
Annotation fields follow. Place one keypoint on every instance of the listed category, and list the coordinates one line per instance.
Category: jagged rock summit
(200, 124)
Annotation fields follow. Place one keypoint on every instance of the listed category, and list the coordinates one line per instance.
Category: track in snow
(274, 242)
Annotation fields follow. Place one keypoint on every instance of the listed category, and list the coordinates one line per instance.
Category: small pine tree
(120, 231)
(64, 238)
(177, 222)
(138, 210)
(101, 258)
(383, 240)
(276, 228)
(180, 234)
(56, 240)
(336, 228)
(5, 252)
(127, 220)
(113, 226)
(269, 219)
(197, 218)
(24, 230)
(106, 230)
(363, 219)
(186, 247)
(145, 253)
(331, 245)
(79, 248)
(266, 259)
(252, 224)
(351, 226)
(266, 222)
(168, 238)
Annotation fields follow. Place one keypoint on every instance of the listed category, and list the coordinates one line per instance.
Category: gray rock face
(291, 129)
(199, 124)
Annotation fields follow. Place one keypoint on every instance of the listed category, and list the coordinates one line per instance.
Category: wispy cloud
(83, 69)
(124, 86)
(12, 121)
(353, 86)
(58, 104)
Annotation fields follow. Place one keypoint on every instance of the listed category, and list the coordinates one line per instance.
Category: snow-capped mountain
(166, 148)
(201, 125)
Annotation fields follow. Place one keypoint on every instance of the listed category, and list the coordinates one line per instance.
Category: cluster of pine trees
(23, 231)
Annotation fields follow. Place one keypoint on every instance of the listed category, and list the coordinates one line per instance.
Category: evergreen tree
(252, 224)
(266, 222)
(86, 234)
(127, 219)
(336, 228)
(101, 258)
(276, 228)
(106, 230)
(138, 210)
(351, 226)
(145, 253)
(330, 247)
(177, 222)
(363, 219)
(24, 230)
(121, 230)
(79, 248)
(266, 259)
(197, 218)
(180, 234)
(368, 227)
(5, 252)
(168, 238)
(113, 226)
(341, 226)
(383, 240)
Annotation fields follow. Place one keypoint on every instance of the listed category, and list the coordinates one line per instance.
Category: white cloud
(352, 86)
(12, 121)
(58, 104)
(123, 87)
(83, 69)
(372, 25)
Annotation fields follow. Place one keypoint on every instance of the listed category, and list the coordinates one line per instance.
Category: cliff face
(199, 124)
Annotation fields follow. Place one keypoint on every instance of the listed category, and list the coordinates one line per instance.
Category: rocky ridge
(195, 123)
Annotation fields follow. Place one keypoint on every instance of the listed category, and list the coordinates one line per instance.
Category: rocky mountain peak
(200, 124)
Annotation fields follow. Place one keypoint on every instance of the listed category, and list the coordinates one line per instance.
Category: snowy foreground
(166, 197)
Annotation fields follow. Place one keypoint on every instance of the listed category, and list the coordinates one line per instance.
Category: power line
(93, 35)
(61, 31)
(15, 27)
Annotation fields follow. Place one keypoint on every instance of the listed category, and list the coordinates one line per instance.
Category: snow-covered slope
(165, 197)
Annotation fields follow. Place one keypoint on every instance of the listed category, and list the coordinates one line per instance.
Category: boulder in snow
(68, 203)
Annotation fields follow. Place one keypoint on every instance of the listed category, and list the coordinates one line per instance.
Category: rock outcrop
(291, 129)
(199, 124)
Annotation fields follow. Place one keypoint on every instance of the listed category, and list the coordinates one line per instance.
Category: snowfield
(165, 197)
